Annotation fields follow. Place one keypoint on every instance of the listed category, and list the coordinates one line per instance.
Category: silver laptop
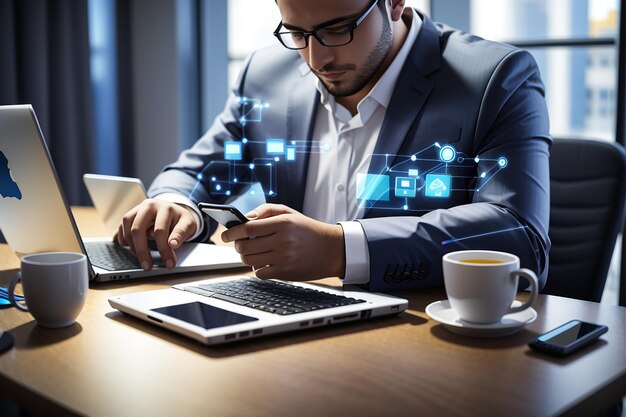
(229, 309)
(35, 216)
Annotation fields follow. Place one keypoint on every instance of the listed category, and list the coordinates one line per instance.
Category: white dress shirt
(342, 146)
(346, 144)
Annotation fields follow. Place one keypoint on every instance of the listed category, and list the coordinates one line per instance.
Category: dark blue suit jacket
(484, 99)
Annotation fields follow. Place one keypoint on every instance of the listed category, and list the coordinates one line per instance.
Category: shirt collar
(383, 89)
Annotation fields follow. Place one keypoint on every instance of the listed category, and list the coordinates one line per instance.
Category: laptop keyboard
(111, 256)
(272, 296)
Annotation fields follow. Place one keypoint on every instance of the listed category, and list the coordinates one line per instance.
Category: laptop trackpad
(204, 315)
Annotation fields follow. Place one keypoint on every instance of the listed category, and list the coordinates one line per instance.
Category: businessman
(411, 139)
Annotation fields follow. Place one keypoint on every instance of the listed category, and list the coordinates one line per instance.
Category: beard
(365, 74)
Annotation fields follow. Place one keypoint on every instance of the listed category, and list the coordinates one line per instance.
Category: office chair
(588, 187)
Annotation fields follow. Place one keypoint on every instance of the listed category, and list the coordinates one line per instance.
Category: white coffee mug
(481, 285)
(55, 287)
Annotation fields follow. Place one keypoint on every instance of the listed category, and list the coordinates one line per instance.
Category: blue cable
(4, 298)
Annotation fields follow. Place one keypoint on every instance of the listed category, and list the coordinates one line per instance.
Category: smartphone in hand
(568, 337)
(226, 215)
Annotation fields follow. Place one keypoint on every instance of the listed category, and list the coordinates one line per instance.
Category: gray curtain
(44, 61)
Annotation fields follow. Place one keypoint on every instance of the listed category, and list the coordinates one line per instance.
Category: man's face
(348, 69)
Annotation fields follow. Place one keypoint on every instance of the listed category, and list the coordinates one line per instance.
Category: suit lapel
(410, 94)
(303, 99)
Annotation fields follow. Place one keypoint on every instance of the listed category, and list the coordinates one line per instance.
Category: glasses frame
(350, 26)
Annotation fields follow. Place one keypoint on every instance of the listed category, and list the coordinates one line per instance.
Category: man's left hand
(282, 243)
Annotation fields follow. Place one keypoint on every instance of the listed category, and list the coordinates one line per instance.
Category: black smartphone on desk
(226, 215)
(568, 337)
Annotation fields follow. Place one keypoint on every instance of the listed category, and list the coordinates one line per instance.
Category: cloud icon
(437, 184)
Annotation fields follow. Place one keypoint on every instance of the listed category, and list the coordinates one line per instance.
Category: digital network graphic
(434, 172)
(429, 173)
(236, 172)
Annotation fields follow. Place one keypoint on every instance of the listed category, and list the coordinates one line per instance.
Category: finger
(257, 270)
(139, 232)
(271, 210)
(118, 237)
(162, 224)
(269, 272)
(256, 228)
(242, 231)
(271, 225)
(256, 245)
(258, 260)
(182, 230)
(127, 223)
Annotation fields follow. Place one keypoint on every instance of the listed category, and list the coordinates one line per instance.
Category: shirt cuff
(181, 200)
(357, 254)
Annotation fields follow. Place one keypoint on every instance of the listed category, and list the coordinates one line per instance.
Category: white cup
(481, 285)
(55, 287)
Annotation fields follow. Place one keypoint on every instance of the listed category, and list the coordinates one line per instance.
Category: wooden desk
(108, 364)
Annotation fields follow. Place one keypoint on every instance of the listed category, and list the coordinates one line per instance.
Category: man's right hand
(170, 224)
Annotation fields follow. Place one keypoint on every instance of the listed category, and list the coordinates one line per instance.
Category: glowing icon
(251, 110)
(502, 162)
(291, 153)
(438, 185)
(405, 187)
(232, 151)
(275, 146)
(413, 173)
(447, 154)
(219, 187)
(372, 187)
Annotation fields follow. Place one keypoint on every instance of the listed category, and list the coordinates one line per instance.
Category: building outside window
(580, 80)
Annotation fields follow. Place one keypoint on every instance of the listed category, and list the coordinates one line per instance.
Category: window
(573, 42)
(104, 85)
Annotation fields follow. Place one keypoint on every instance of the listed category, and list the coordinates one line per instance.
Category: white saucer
(441, 312)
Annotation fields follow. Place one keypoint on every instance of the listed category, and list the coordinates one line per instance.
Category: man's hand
(288, 245)
(170, 224)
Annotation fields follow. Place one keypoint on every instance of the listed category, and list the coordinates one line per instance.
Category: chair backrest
(588, 187)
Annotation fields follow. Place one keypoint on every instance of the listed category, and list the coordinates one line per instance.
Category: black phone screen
(568, 333)
(225, 215)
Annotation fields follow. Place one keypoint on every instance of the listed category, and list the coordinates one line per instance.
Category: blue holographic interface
(405, 182)
(434, 172)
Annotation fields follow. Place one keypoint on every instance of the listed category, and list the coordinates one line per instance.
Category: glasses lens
(294, 40)
(336, 36)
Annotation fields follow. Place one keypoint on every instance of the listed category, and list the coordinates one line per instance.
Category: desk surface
(111, 364)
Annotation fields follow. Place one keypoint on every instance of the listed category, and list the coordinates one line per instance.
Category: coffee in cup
(481, 285)
(55, 287)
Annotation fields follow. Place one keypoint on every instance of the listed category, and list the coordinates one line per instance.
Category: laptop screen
(35, 215)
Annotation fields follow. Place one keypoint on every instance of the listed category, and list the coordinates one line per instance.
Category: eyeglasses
(327, 36)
